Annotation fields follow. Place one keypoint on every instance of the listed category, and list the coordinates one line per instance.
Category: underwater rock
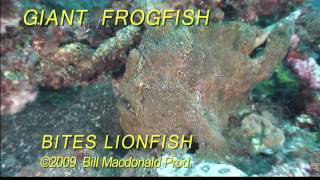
(310, 22)
(262, 11)
(77, 63)
(203, 4)
(52, 61)
(300, 142)
(9, 16)
(265, 136)
(304, 121)
(16, 89)
(81, 4)
(187, 80)
(315, 164)
(16, 95)
(313, 107)
(297, 168)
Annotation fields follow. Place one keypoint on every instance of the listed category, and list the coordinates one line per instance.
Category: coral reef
(15, 96)
(77, 63)
(304, 121)
(188, 87)
(308, 71)
(265, 136)
(292, 169)
(302, 59)
(263, 12)
(301, 140)
(74, 63)
(80, 4)
(9, 14)
(308, 28)
(287, 141)
(297, 80)
(313, 106)
(201, 4)
(54, 57)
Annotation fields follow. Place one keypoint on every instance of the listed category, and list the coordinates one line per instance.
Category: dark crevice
(194, 148)
(257, 52)
(119, 71)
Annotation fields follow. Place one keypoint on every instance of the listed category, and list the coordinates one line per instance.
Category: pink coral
(250, 15)
(308, 71)
(266, 7)
(295, 39)
(14, 97)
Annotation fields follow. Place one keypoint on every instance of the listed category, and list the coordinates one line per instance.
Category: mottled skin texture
(187, 80)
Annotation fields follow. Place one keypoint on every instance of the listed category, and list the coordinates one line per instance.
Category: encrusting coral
(77, 63)
(265, 136)
(187, 80)
(72, 64)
